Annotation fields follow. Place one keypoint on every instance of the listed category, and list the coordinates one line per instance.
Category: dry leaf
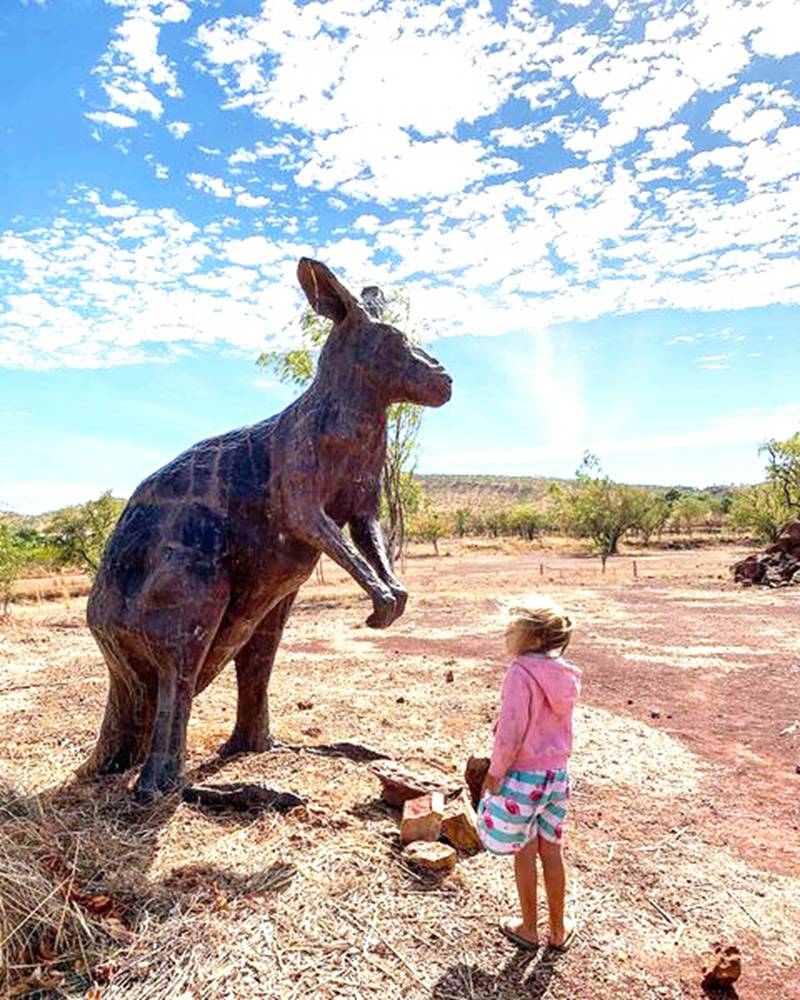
(98, 904)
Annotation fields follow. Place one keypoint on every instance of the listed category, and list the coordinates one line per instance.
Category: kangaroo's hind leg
(254, 665)
(180, 641)
(128, 719)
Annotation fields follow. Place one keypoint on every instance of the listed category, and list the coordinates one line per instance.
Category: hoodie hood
(559, 680)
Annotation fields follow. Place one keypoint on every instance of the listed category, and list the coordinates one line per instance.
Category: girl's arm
(512, 723)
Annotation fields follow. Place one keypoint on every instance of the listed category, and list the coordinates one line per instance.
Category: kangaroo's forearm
(323, 533)
(368, 538)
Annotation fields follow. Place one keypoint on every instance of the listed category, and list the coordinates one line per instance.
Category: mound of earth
(777, 566)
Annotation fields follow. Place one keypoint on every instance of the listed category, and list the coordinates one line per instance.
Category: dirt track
(685, 819)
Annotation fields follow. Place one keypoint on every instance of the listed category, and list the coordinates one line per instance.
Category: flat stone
(460, 825)
(434, 857)
(399, 784)
(422, 818)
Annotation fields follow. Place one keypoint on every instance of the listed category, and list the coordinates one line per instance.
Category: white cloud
(116, 284)
(132, 65)
(666, 143)
(777, 33)
(111, 118)
(211, 185)
(752, 113)
(179, 130)
(247, 200)
(134, 97)
(446, 66)
(384, 164)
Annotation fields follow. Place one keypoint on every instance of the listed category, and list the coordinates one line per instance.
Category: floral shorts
(529, 804)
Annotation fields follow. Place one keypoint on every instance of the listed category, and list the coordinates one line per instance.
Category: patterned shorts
(529, 804)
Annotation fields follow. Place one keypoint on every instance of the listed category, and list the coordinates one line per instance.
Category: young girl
(524, 799)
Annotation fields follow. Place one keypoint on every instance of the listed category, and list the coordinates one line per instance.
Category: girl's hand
(490, 784)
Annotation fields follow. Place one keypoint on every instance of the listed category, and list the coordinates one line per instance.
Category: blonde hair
(537, 624)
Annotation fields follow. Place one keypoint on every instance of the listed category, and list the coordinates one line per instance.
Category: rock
(460, 824)
(474, 773)
(422, 818)
(304, 706)
(400, 784)
(655, 713)
(449, 677)
(749, 570)
(434, 857)
(774, 577)
(722, 967)
(777, 566)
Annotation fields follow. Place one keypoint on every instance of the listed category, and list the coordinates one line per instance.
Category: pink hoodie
(533, 731)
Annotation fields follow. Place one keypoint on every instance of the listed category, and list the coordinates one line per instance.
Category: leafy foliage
(79, 534)
(761, 510)
(783, 470)
(430, 526)
(13, 557)
(595, 507)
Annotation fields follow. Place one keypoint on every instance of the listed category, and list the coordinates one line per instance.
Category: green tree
(429, 526)
(462, 518)
(761, 510)
(13, 557)
(298, 366)
(688, 512)
(596, 507)
(653, 514)
(524, 520)
(79, 534)
(783, 470)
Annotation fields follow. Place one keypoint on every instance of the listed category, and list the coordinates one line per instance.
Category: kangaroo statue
(206, 560)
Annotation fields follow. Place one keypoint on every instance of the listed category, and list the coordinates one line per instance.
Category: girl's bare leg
(555, 882)
(525, 875)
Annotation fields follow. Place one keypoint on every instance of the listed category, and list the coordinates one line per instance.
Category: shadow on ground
(523, 977)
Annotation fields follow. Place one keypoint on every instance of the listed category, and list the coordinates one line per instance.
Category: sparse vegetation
(79, 534)
(597, 508)
(12, 562)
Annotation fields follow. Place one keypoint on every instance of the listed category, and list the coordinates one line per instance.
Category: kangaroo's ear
(373, 300)
(325, 293)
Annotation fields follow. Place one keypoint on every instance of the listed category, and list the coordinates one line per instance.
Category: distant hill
(448, 493)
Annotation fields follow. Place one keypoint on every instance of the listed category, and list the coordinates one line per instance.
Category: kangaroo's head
(362, 350)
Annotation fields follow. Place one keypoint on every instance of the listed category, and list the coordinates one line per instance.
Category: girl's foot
(520, 933)
(561, 938)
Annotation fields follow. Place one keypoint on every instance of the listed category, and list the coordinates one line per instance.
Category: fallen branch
(667, 916)
(241, 797)
(738, 901)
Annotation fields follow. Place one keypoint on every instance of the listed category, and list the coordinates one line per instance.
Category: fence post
(635, 570)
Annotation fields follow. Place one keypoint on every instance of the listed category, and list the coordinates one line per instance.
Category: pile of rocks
(777, 566)
(438, 816)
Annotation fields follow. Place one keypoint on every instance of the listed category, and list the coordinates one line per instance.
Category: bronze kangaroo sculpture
(206, 560)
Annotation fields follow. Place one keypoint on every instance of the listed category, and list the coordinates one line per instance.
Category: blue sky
(594, 208)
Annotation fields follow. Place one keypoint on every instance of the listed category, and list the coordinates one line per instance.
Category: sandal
(514, 938)
(554, 951)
